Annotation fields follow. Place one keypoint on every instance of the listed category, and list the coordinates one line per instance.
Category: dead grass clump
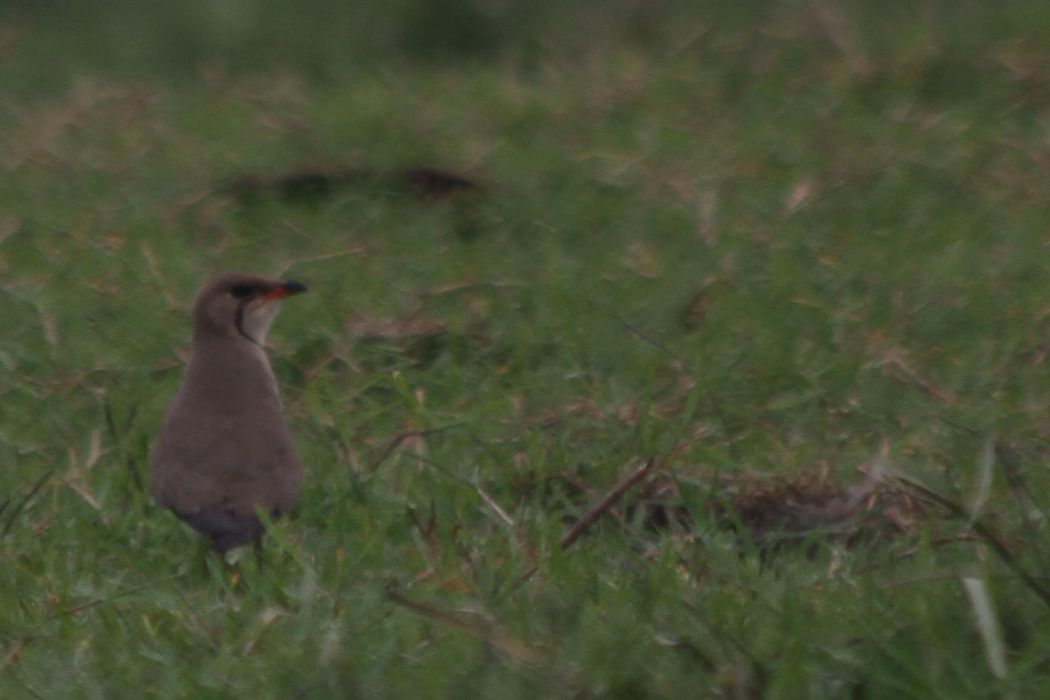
(775, 510)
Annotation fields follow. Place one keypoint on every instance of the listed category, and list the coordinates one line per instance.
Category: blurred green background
(325, 42)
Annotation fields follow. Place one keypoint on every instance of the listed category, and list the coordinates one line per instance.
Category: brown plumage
(224, 449)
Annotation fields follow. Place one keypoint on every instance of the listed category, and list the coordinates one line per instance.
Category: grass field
(775, 250)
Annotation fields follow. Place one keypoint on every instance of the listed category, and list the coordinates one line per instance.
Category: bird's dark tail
(225, 529)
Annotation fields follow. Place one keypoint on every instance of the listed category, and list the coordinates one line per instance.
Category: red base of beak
(285, 290)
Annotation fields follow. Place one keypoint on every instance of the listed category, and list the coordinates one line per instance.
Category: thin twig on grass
(681, 364)
(1007, 456)
(603, 504)
(22, 504)
(980, 527)
(482, 494)
(592, 514)
(16, 651)
(81, 607)
(486, 633)
(962, 537)
(398, 439)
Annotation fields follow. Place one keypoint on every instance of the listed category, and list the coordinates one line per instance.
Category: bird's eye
(241, 291)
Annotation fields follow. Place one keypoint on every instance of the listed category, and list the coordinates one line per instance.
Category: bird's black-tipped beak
(292, 287)
(284, 290)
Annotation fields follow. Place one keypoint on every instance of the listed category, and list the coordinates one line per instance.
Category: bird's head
(239, 304)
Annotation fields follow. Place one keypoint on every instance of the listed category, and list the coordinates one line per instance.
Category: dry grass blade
(842, 33)
(513, 647)
(985, 465)
(410, 327)
(980, 527)
(352, 250)
(987, 624)
(77, 609)
(266, 621)
(1008, 457)
(482, 494)
(491, 503)
(16, 651)
(398, 439)
(22, 504)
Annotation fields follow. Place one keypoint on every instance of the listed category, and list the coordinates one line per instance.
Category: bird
(224, 449)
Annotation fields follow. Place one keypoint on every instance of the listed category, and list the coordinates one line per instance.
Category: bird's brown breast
(224, 439)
